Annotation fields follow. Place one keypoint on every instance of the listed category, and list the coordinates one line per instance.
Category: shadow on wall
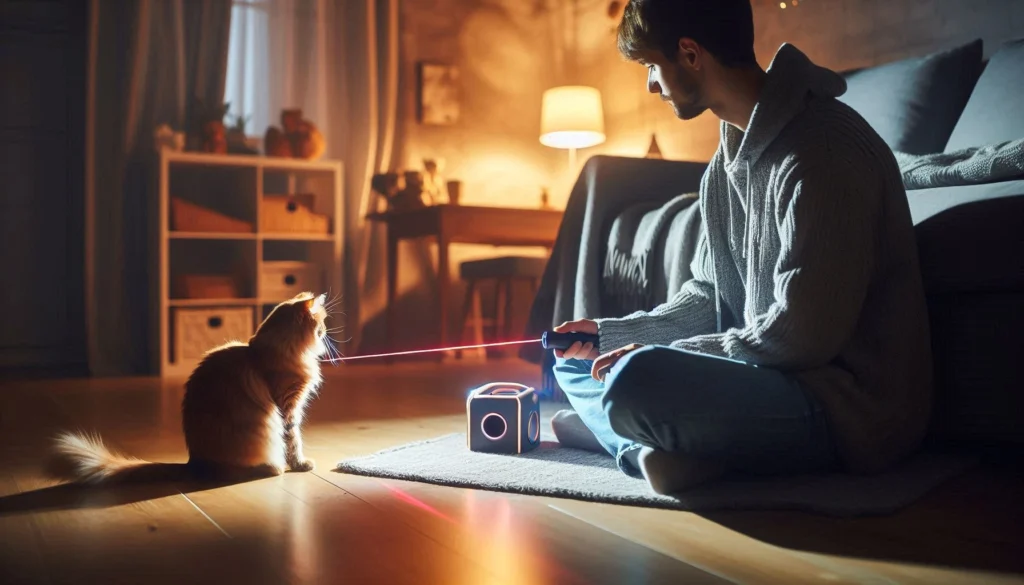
(416, 311)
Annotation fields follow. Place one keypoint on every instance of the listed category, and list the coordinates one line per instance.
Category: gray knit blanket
(649, 252)
(969, 166)
(573, 283)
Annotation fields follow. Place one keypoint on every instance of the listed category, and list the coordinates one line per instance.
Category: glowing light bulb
(782, 5)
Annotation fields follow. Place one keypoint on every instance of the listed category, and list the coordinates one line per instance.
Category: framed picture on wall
(437, 92)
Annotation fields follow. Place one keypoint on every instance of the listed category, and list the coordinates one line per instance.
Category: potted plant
(238, 142)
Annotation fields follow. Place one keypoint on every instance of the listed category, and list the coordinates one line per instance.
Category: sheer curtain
(147, 59)
(338, 62)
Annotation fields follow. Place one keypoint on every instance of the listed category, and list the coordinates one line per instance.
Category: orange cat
(242, 410)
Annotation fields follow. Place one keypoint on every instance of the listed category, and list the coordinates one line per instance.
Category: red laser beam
(419, 351)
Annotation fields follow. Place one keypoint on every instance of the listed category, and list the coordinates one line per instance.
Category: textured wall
(505, 53)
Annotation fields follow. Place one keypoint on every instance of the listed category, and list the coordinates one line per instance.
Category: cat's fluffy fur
(242, 410)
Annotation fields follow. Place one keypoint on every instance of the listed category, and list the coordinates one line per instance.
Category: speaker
(503, 417)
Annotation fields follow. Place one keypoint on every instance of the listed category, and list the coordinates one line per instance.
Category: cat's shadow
(72, 496)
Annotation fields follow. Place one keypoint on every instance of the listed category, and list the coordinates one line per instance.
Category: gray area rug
(551, 470)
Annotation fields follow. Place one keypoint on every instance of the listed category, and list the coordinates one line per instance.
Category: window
(246, 86)
(276, 56)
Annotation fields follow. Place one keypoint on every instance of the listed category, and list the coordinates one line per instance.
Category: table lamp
(571, 117)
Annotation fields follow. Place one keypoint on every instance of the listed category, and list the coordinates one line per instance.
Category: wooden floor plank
(314, 530)
(21, 554)
(717, 549)
(518, 533)
(119, 536)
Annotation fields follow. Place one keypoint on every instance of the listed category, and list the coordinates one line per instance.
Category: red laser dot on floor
(409, 499)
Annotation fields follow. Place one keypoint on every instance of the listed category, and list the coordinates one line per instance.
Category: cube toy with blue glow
(504, 417)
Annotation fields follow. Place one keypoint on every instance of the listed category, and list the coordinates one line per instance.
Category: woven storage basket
(197, 331)
(284, 214)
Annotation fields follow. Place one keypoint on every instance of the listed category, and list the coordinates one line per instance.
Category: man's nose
(653, 86)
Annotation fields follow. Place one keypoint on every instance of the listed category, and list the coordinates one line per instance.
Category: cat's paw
(303, 465)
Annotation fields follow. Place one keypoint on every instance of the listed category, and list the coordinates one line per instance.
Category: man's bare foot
(670, 473)
(571, 432)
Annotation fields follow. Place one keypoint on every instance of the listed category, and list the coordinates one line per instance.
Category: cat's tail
(84, 459)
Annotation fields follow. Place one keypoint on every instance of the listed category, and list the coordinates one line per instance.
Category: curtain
(338, 62)
(147, 60)
(365, 115)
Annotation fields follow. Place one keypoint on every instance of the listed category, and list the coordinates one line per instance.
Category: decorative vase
(454, 192)
(214, 137)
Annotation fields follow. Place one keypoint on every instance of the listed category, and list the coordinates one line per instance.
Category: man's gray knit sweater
(808, 264)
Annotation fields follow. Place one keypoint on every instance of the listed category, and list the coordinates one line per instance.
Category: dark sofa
(971, 238)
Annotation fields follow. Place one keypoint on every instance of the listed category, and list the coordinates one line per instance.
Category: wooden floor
(326, 527)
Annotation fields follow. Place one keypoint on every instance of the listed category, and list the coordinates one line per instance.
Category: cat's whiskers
(327, 347)
(334, 356)
(332, 302)
(332, 352)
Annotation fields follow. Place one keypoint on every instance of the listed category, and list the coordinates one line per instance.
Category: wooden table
(460, 224)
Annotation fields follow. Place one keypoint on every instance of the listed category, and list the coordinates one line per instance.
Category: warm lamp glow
(571, 117)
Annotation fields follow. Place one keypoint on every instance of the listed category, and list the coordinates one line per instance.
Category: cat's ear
(316, 304)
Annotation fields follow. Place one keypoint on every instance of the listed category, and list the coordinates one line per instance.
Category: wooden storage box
(292, 214)
(189, 217)
(206, 286)
(283, 280)
(197, 331)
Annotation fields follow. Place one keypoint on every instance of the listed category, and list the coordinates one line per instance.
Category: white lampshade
(571, 117)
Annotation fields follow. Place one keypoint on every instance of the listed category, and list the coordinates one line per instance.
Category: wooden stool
(504, 271)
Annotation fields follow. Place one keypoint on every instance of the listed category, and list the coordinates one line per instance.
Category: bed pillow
(914, 104)
(995, 112)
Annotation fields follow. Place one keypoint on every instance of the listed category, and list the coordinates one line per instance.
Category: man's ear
(690, 53)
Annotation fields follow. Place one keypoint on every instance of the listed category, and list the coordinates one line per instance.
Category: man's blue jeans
(753, 420)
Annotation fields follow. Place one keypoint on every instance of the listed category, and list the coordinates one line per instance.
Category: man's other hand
(603, 363)
(578, 351)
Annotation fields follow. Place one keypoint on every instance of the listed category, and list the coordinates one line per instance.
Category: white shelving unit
(234, 186)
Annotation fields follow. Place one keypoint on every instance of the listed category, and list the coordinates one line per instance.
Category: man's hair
(725, 28)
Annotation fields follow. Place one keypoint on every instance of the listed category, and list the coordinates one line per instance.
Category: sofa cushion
(925, 203)
(994, 113)
(915, 103)
(974, 247)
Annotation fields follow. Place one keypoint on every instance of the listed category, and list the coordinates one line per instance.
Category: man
(801, 344)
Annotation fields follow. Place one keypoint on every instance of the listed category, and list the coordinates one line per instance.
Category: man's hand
(603, 363)
(578, 351)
